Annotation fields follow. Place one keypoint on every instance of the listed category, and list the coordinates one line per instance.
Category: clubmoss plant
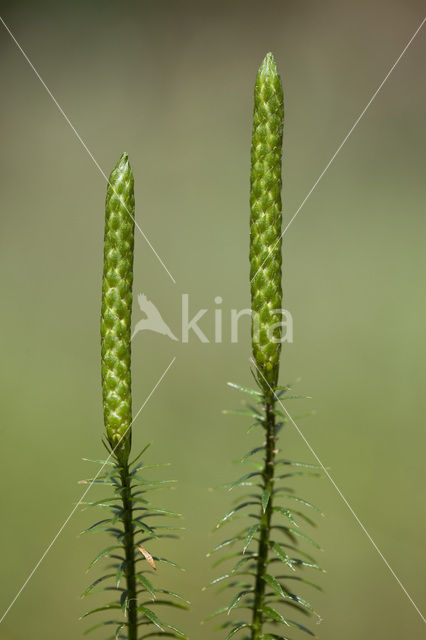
(130, 511)
(270, 560)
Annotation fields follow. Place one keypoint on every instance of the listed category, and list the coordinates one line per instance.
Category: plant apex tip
(124, 160)
(268, 65)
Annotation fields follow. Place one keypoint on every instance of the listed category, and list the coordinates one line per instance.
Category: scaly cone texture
(117, 307)
(265, 221)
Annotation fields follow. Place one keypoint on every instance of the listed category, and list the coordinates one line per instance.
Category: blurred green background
(171, 83)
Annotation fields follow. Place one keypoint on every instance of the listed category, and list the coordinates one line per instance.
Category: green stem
(266, 516)
(129, 549)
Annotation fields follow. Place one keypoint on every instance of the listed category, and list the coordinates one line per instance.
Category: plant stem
(129, 549)
(265, 522)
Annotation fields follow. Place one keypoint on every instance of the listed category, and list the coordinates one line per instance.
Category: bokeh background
(171, 83)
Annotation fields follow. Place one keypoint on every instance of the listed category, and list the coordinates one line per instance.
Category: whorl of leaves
(286, 566)
(112, 581)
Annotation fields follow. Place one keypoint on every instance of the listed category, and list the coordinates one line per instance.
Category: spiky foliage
(130, 511)
(134, 558)
(265, 567)
(264, 558)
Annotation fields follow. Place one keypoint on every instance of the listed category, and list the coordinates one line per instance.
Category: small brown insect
(148, 557)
